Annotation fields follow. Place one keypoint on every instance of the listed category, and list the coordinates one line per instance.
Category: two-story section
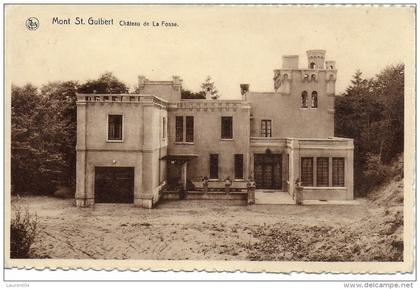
(121, 140)
(292, 132)
(208, 138)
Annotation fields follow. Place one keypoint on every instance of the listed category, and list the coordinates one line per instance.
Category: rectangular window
(322, 172)
(179, 127)
(189, 129)
(164, 127)
(214, 166)
(266, 128)
(338, 172)
(239, 166)
(306, 172)
(115, 127)
(227, 130)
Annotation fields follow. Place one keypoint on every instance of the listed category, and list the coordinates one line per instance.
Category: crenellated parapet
(210, 106)
(106, 99)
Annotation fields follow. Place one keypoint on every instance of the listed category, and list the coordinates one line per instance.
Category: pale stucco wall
(288, 118)
(207, 136)
(142, 146)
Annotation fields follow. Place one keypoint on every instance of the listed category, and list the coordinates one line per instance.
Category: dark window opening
(338, 172)
(115, 127)
(306, 172)
(164, 127)
(266, 128)
(239, 166)
(227, 131)
(314, 99)
(313, 77)
(322, 172)
(313, 65)
(179, 129)
(189, 128)
(304, 99)
(214, 166)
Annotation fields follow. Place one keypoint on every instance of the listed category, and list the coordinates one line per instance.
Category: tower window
(314, 99)
(331, 67)
(313, 77)
(304, 99)
(305, 77)
(312, 65)
(285, 76)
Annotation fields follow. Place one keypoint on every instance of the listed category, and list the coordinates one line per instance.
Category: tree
(208, 88)
(187, 94)
(37, 163)
(44, 127)
(107, 83)
(61, 97)
(371, 111)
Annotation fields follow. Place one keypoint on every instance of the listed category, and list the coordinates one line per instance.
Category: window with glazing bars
(338, 172)
(306, 172)
(322, 172)
(179, 127)
(266, 128)
(189, 129)
(114, 127)
(227, 130)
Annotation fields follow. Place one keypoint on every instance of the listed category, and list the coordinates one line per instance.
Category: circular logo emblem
(32, 23)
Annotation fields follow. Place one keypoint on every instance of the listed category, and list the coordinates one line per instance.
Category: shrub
(23, 230)
(376, 172)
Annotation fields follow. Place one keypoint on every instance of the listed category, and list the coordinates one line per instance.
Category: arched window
(285, 76)
(331, 66)
(312, 65)
(331, 77)
(304, 99)
(305, 76)
(314, 99)
(313, 77)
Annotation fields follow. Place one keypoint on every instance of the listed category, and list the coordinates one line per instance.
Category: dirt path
(183, 230)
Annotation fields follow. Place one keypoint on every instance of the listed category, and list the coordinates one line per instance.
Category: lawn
(216, 230)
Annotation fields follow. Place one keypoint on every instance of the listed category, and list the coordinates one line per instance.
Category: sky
(232, 44)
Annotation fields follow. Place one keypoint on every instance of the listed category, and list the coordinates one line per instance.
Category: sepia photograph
(272, 138)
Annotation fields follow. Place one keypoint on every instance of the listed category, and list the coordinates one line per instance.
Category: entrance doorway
(114, 184)
(267, 171)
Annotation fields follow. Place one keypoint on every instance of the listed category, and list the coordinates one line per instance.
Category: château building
(129, 146)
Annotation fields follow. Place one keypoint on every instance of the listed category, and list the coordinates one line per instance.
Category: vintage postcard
(246, 138)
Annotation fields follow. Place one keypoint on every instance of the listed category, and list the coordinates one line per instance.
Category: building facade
(130, 146)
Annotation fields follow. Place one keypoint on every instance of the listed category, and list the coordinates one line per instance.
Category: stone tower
(316, 59)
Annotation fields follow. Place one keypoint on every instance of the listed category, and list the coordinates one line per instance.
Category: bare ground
(216, 230)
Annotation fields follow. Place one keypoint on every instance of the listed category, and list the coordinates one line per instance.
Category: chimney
(244, 88)
(290, 62)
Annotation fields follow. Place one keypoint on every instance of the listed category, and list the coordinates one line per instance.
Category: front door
(114, 185)
(267, 171)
